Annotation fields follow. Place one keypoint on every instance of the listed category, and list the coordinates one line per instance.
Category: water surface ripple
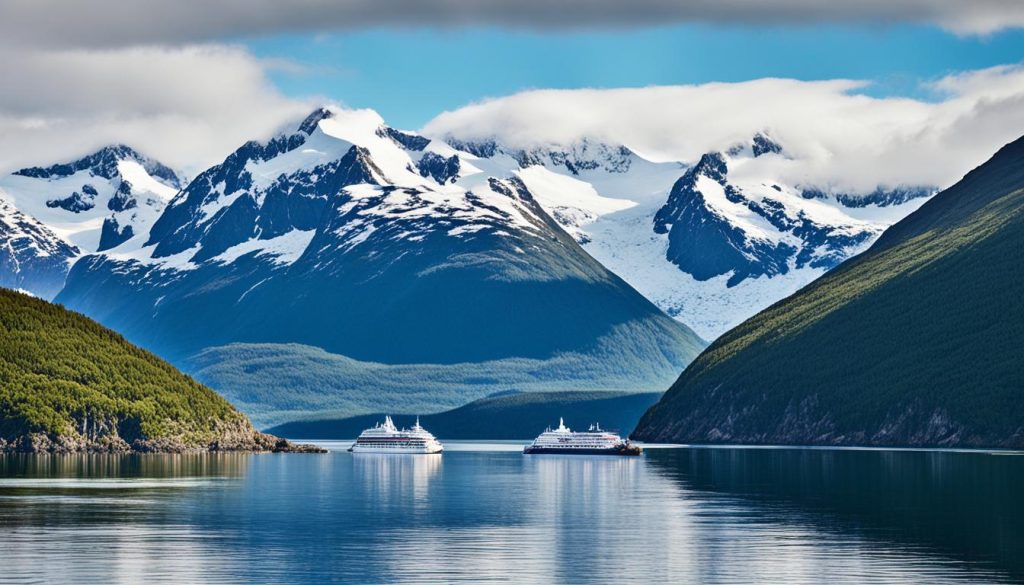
(484, 513)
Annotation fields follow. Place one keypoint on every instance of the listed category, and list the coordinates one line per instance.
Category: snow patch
(284, 249)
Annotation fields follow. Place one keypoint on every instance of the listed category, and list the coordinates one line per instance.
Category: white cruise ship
(592, 442)
(386, 438)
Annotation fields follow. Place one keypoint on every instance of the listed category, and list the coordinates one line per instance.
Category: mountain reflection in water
(482, 514)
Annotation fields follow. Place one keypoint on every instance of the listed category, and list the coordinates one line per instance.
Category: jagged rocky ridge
(708, 245)
(913, 343)
(708, 259)
(705, 240)
(32, 257)
(97, 203)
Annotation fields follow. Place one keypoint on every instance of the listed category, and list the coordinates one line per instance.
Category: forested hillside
(915, 342)
(70, 384)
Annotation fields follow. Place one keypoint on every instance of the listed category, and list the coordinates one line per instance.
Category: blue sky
(409, 76)
(187, 81)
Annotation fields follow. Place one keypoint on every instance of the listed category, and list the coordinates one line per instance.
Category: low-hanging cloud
(837, 137)
(111, 23)
(186, 106)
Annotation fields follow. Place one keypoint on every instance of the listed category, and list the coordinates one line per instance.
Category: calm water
(485, 513)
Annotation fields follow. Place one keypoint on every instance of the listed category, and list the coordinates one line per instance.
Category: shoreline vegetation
(252, 442)
(70, 385)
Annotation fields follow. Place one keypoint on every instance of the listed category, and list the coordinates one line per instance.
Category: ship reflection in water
(490, 514)
(396, 479)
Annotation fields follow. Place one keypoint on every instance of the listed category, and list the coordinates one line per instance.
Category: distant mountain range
(916, 342)
(350, 237)
(710, 243)
(349, 246)
(515, 416)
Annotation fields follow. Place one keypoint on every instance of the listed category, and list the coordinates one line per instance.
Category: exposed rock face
(92, 204)
(692, 223)
(75, 203)
(113, 234)
(580, 156)
(103, 163)
(122, 199)
(715, 228)
(880, 197)
(32, 257)
(441, 169)
(764, 145)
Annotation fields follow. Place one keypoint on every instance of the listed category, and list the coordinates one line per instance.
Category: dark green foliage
(514, 416)
(916, 342)
(64, 375)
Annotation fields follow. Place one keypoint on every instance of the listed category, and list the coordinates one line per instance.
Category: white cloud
(110, 23)
(837, 136)
(186, 106)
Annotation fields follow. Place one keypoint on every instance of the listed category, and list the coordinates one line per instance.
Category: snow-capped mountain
(104, 201)
(710, 243)
(32, 257)
(379, 245)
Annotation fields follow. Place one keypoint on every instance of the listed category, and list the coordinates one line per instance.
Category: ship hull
(623, 451)
(394, 450)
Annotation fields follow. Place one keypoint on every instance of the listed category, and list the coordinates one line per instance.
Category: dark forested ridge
(916, 342)
(515, 416)
(70, 384)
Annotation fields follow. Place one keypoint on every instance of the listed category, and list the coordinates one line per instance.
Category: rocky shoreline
(254, 442)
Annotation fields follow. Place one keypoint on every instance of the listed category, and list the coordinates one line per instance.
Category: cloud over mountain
(186, 105)
(167, 78)
(841, 137)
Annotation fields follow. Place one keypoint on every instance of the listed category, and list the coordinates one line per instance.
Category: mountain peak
(310, 123)
(103, 163)
(712, 165)
(762, 144)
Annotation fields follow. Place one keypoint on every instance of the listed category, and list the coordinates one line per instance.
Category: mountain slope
(52, 215)
(69, 384)
(514, 416)
(915, 342)
(710, 244)
(333, 235)
(278, 383)
(32, 257)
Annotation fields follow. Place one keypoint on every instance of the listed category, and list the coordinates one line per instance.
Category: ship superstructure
(387, 438)
(594, 441)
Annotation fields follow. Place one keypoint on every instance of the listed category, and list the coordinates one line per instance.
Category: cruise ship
(595, 441)
(386, 438)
